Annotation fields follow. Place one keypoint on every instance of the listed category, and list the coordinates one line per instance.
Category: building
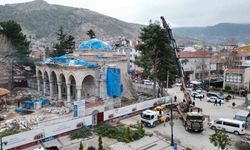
(197, 64)
(237, 78)
(84, 74)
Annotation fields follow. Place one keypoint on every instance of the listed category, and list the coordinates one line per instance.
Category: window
(231, 124)
(218, 122)
(247, 58)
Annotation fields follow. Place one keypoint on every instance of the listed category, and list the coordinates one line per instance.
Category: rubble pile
(23, 122)
(19, 94)
(55, 110)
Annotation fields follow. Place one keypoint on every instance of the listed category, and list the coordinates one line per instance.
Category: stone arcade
(82, 74)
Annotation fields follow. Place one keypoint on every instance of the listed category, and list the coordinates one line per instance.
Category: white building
(197, 65)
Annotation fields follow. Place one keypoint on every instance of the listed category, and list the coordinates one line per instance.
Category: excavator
(192, 116)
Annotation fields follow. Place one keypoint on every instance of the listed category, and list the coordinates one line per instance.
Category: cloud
(176, 12)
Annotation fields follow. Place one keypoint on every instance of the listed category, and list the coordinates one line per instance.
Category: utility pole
(1, 140)
(167, 82)
(171, 123)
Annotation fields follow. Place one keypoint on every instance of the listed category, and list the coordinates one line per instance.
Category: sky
(176, 12)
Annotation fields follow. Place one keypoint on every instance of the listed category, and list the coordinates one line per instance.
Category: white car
(212, 99)
(199, 90)
(196, 95)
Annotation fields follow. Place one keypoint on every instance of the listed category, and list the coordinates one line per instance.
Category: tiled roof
(235, 70)
(196, 54)
(4, 92)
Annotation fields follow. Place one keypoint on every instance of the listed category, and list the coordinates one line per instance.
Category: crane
(193, 118)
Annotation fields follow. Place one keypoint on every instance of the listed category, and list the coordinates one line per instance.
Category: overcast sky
(176, 12)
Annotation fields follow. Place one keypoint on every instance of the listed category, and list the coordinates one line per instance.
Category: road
(196, 141)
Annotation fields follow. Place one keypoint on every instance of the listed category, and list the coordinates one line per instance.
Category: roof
(196, 54)
(4, 92)
(68, 61)
(235, 70)
(231, 120)
(96, 45)
(243, 49)
(242, 113)
(149, 112)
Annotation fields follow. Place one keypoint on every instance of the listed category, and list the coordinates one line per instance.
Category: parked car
(196, 95)
(213, 98)
(230, 125)
(199, 90)
(217, 95)
(148, 82)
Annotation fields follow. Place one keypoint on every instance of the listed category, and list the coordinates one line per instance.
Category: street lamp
(171, 123)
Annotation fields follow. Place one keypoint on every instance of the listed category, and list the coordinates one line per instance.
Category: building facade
(82, 74)
(197, 64)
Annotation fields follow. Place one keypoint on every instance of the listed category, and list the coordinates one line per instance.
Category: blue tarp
(85, 63)
(28, 104)
(62, 58)
(95, 44)
(65, 60)
(113, 81)
(43, 102)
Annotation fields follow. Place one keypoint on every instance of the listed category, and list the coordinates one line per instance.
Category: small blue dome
(95, 44)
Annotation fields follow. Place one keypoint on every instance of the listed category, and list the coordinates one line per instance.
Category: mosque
(93, 71)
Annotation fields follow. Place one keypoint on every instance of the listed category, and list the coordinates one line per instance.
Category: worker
(175, 98)
(233, 104)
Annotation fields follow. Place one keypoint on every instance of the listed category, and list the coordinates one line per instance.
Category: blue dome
(95, 44)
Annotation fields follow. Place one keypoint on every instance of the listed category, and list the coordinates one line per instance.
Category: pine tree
(157, 57)
(141, 129)
(100, 147)
(129, 134)
(91, 34)
(66, 43)
(81, 146)
(17, 55)
(20, 51)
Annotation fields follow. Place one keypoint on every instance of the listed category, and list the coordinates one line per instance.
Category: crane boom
(184, 106)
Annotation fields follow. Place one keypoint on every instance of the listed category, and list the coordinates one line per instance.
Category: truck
(192, 116)
(151, 118)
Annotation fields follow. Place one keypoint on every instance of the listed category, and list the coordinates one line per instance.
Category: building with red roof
(197, 64)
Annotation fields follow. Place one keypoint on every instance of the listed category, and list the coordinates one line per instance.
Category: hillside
(40, 20)
(223, 32)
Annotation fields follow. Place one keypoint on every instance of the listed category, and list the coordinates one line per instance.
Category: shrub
(100, 147)
(83, 132)
(81, 146)
(91, 148)
(9, 132)
(122, 134)
(228, 88)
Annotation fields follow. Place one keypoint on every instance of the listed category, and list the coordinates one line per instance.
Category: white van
(217, 95)
(230, 125)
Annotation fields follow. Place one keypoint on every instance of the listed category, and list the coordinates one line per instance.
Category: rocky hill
(223, 32)
(40, 20)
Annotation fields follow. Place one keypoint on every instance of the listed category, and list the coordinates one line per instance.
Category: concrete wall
(65, 124)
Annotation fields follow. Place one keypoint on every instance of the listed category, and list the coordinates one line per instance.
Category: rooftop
(243, 49)
(235, 70)
(196, 54)
(68, 61)
(96, 45)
